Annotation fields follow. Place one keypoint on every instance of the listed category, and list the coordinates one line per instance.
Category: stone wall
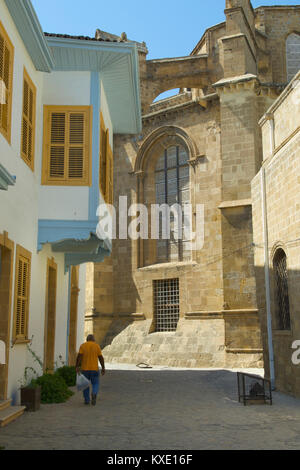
(207, 335)
(292, 55)
(196, 343)
(282, 169)
(234, 74)
(278, 22)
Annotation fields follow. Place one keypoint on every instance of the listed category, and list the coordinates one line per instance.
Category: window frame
(87, 157)
(290, 74)
(7, 133)
(26, 255)
(33, 88)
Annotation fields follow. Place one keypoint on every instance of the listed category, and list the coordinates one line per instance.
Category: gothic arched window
(282, 290)
(172, 187)
(292, 55)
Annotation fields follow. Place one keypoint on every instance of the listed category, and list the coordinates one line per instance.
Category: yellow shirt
(90, 352)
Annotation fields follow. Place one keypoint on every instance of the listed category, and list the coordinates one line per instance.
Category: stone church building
(276, 229)
(158, 301)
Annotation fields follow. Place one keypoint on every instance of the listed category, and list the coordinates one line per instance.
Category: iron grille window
(166, 305)
(282, 290)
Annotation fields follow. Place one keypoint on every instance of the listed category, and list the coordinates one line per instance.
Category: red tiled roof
(100, 36)
(81, 38)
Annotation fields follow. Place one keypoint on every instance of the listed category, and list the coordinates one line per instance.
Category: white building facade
(62, 100)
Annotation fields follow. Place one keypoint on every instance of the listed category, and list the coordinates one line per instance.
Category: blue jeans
(93, 377)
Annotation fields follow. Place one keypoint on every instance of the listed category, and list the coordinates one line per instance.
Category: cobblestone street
(159, 410)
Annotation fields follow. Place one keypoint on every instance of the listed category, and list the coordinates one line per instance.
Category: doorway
(73, 315)
(6, 274)
(50, 316)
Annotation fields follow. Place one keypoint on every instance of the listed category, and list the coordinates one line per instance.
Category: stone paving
(159, 409)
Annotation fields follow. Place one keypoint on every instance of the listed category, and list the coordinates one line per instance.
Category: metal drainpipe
(267, 275)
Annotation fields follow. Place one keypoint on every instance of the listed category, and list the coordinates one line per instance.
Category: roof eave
(127, 54)
(135, 93)
(29, 28)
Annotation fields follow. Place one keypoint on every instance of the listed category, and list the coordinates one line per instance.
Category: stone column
(99, 299)
(241, 157)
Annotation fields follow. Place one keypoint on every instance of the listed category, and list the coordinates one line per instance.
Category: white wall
(19, 356)
(18, 205)
(66, 203)
(67, 88)
(19, 208)
(23, 204)
(63, 203)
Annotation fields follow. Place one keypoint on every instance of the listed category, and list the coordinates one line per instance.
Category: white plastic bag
(82, 382)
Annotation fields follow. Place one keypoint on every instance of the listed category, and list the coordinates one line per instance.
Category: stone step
(4, 404)
(10, 414)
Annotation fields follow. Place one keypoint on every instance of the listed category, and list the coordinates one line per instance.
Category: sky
(170, 28)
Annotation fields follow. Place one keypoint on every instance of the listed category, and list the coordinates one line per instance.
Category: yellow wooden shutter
(109, 177)
(28, 121)
(22, 296)
(25, 119)
(76, 168)
(107, 166)
(67, 145)
(5, 80)
(22, 287)
(103, 157)
(31, 125)
(111, 187)
(57, 145)
(6, 64)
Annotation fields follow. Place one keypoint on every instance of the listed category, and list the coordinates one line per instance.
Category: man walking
(87, 362)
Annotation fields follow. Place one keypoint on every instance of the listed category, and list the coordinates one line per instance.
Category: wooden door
(50, 316)
(6, 271)
(73, 315)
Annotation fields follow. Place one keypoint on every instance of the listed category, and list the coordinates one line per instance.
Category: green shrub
(68, 374)
(53, 389)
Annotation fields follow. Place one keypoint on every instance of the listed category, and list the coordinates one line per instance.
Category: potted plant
(30, 392)
(49, 387)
